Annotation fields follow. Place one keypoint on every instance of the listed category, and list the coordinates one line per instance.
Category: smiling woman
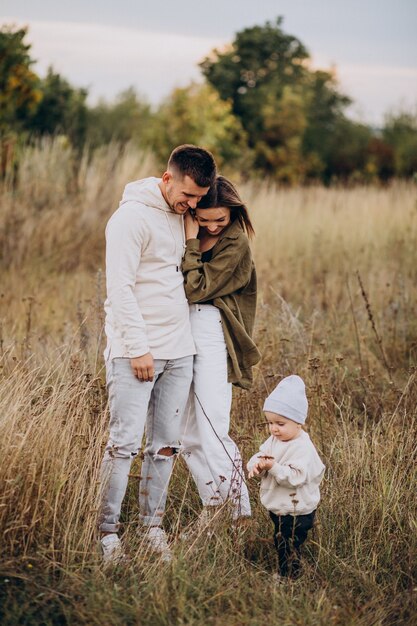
(220, 283)
(212, 222)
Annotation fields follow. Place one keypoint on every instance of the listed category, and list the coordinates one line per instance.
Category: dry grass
(356, 347)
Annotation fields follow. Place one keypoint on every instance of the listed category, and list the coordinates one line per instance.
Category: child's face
(281, 427)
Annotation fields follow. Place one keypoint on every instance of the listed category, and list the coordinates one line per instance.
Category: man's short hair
(195, 162)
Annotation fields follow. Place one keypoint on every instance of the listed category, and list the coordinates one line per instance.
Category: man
(150, 348)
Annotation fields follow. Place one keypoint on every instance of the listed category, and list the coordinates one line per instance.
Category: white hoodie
(291, 486)
(146, 308)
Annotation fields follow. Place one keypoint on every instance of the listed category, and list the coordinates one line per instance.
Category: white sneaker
(157, 541)
(112, 550)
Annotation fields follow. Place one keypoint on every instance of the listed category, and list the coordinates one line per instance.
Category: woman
(220, 284)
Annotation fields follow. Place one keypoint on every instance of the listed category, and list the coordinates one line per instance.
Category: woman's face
(213, 221)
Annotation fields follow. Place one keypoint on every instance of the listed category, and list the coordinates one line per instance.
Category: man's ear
(167, 177)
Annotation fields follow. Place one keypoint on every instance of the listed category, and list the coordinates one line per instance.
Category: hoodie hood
(147, 192)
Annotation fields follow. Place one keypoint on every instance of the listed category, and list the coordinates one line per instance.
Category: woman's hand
(191, 226)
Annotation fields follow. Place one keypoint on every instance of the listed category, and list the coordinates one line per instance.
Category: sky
(156, 45)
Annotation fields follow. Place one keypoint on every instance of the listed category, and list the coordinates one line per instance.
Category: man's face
(182, 193)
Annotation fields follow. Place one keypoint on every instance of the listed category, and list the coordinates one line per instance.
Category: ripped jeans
(133, 403)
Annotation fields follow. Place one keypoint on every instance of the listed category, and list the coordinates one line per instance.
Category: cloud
(374, 89)
(109, 59)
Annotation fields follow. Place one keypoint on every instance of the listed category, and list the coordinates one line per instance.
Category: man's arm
(124, 243)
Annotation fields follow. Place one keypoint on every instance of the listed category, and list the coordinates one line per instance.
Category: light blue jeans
(133, 404)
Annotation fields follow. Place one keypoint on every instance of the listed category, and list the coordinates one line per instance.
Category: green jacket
(228, 281)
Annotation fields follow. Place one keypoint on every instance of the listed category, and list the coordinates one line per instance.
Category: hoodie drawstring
(175, 241)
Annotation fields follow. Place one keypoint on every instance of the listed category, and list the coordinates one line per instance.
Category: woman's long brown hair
(224, 194)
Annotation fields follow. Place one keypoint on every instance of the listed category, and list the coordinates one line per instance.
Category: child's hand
(263, 465)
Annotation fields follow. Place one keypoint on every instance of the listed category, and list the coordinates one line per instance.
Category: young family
(180, 310)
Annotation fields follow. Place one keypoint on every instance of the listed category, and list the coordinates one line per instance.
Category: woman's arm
(228, 271)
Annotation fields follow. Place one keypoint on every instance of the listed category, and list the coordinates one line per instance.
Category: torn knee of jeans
(116, 452)
(166, 453)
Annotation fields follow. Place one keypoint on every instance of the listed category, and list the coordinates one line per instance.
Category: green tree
(19, 86)
(346, 156)
(289, 111)
(324, 107)
(400, 132)
(261, 74)
(260, 61)
(381, 159)
(278, 150)
(127, 119)
(62, 109)
(196, 114)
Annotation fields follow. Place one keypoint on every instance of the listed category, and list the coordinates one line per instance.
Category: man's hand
(191, 226)
(263, 465)
(143, 367)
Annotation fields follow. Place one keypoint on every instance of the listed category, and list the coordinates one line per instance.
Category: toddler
(290, 470)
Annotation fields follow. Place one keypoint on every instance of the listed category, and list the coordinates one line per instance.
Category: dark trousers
(290, 533)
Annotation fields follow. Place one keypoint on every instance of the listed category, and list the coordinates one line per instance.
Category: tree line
(261, 109)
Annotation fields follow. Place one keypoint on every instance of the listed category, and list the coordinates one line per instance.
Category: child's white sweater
(291, 486)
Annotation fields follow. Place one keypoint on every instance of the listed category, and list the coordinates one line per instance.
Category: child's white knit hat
(289, 399)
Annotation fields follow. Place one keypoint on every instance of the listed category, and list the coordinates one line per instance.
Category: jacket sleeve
(228, 271)
(263, 449)
(294, 474)
(124, 244)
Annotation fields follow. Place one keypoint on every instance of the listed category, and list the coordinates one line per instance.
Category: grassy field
(337, 274)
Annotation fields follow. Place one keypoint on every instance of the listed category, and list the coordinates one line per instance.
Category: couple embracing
(180, 309)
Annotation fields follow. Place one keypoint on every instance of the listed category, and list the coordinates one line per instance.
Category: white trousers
(211, 455)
